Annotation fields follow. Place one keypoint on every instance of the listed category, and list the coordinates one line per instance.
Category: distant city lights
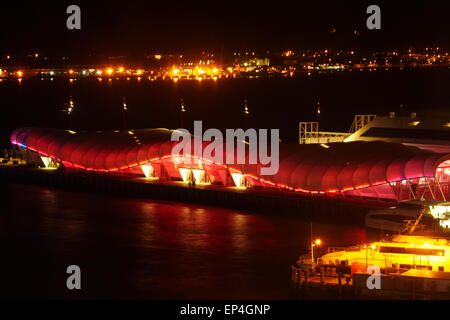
(246, 64)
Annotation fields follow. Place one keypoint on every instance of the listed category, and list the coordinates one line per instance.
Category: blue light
(21, 145)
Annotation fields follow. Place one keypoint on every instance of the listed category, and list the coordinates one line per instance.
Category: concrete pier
(413, 284)
(317, 208)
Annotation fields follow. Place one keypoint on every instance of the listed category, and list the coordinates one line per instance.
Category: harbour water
(273, 103)
(140, 248)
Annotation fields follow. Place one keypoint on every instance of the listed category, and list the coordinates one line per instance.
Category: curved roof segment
(310, 168)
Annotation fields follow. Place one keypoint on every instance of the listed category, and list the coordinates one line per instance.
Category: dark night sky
(173, 27)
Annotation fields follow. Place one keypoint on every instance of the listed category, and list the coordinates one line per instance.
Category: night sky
(129, 27)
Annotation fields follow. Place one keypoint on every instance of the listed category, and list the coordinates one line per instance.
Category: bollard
(305, 273)
(340, 278)
(321, 278)
(293, 275)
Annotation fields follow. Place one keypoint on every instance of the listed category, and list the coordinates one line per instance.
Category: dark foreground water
(139, 248)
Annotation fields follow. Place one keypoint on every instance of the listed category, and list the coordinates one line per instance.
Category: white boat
(396, 219)
(399, 218)
(399, 252)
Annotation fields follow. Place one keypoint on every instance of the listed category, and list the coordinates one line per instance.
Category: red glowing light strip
(202, 160)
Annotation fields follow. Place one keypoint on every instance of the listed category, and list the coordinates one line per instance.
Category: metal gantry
(308, 131)
(360, 121)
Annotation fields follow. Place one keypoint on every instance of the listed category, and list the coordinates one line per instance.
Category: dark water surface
(139, 248)
(273, 103)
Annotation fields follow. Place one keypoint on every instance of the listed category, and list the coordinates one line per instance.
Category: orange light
(110, 71)
(318, 242)
(19, 73)
(158, 56)
(139, 71)
(70, 71)
(120, 69)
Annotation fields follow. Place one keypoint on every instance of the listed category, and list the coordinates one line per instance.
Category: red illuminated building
(371, 169)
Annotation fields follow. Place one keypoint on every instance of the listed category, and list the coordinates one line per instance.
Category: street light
(246, 114)
(69, 107)
(246, 111)
(365, 247)
(317, 242)
(318, 121)
(124, 109)
(182, 110)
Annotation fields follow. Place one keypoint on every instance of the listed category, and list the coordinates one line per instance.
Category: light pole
(182, 110)
(70, 106)
(246, 114)
(124, 109)
(313, 244)
(365, 246)
(318, 121)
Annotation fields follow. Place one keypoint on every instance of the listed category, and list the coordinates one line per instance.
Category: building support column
(431, 191)
(393, 191)
(440, 189)
(410, 189)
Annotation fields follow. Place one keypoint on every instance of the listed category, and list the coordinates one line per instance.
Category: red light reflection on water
(139, 248)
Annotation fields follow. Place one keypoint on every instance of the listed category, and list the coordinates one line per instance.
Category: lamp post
(246, 114)
(313, 244)
(318, 121)
(124, 109)
(365, 246)
(69, 109)
(182, 110)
